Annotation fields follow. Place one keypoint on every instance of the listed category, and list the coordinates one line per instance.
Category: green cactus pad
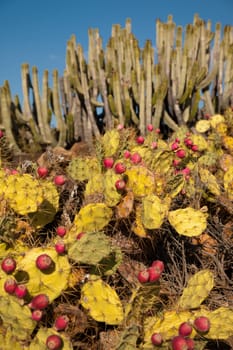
(39, 341)
(102, 302)
(83, 168)
(111, 142)
(188, 222)
(167, 325)
(23, 192)
(16, 317)
(129, 338)
(90, 218)
(48, 208)
(140, 180)
(91, 248)
(197, 290)
(52, 283)
(210, 181)
(154, 211)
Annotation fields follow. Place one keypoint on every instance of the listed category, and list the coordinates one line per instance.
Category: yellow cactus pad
(188, 222)
(111, 141)
(137, 226)
(95, 185)
(210, 181)
(154, 211)
(140, 181)
(162, 161)
(216, 119)
(39, 341)
(228, 182)
(228, 143)
(92, 217)
(111, 196)
(167, 325)
(23, 192)
(197, 290)
(202, 126)
(16, 317)
(200, 141)
(9, 340)
(102, 302)
(83, 168)
(52, 283)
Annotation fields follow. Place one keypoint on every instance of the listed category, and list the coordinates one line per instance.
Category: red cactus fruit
(37, 315)
(154, 145)
(191, 344)
(188, 142)
(194, 148)
(181, 153)
(156, 339)
(127, 154)
(10, 285)
(140, 140)
(40, 302)
(136, 158)
(179, 343)
(43, 262)
(8, 265)
(108, 162)
(202, 324)
(61, 231)
(174, 146)
(150, 127)
(60, 247)
(54, 342)
(159, 264)
(154, 274)
(143, 276)
(119, 168)
(61, 322)
(59, 180)
(185, 329)
(120, 184)
(42, 171)
(20, 291)
(80, 235)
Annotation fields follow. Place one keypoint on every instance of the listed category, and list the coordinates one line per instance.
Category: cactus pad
(51, 283)
(154, 211)
(110, 142)
(228, 182)
(102, 302)
(83, 168)
(140, 180)
(188, 222)
(197, 290)
(137, 226)
(210, 181)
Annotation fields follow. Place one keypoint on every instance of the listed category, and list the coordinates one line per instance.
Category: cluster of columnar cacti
(52, 250)
(123, 84)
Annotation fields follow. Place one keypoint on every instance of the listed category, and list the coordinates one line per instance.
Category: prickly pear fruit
(61, 322)
(43, 262)
(136, 158)
(8, 265)
(154, 274)
(10, 285)
(181, 153)
(140, 140)
(37, 315)
(143, 276)
(179, 343)
(61, 231)
(159, 265)
(201, 324)
(40, 302)
(185, 329)
(54, 342)
(20, 291)
(191, 344)
(108, 162)
(119, 168)
(120, 184)
(59, 180)
(42, 172)
(156, 339)
(60, 247)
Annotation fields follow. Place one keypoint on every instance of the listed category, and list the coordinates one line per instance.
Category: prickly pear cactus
(92, 217)
(154, 210)
(23, 192)
(16, 318)
(39, 341)
(210, 181)
(129, 338)
(137, 227)
(83, 168)
(9, 341)
(140, 180)
(228, 182)
(102, 302)
(48, 208)
(110, 142)
(111, 195)
(188, 222)
(91, 248)
(51, 283)
(197, 290)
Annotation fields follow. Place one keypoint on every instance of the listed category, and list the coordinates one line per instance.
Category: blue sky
(37, 31)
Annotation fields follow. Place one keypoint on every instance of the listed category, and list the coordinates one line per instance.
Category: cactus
(9, 340)
(197, 290)
(51, 283)
(154, 210)
(137, 227)
(140, 180)
(210, 181)
(91, 248)
(102, 302)
(111, 195)
(188, 222)
(110, 142)
(228, 180)
(82, 169)
(129, 338)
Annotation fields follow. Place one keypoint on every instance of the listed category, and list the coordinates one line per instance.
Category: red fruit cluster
(153, 273)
